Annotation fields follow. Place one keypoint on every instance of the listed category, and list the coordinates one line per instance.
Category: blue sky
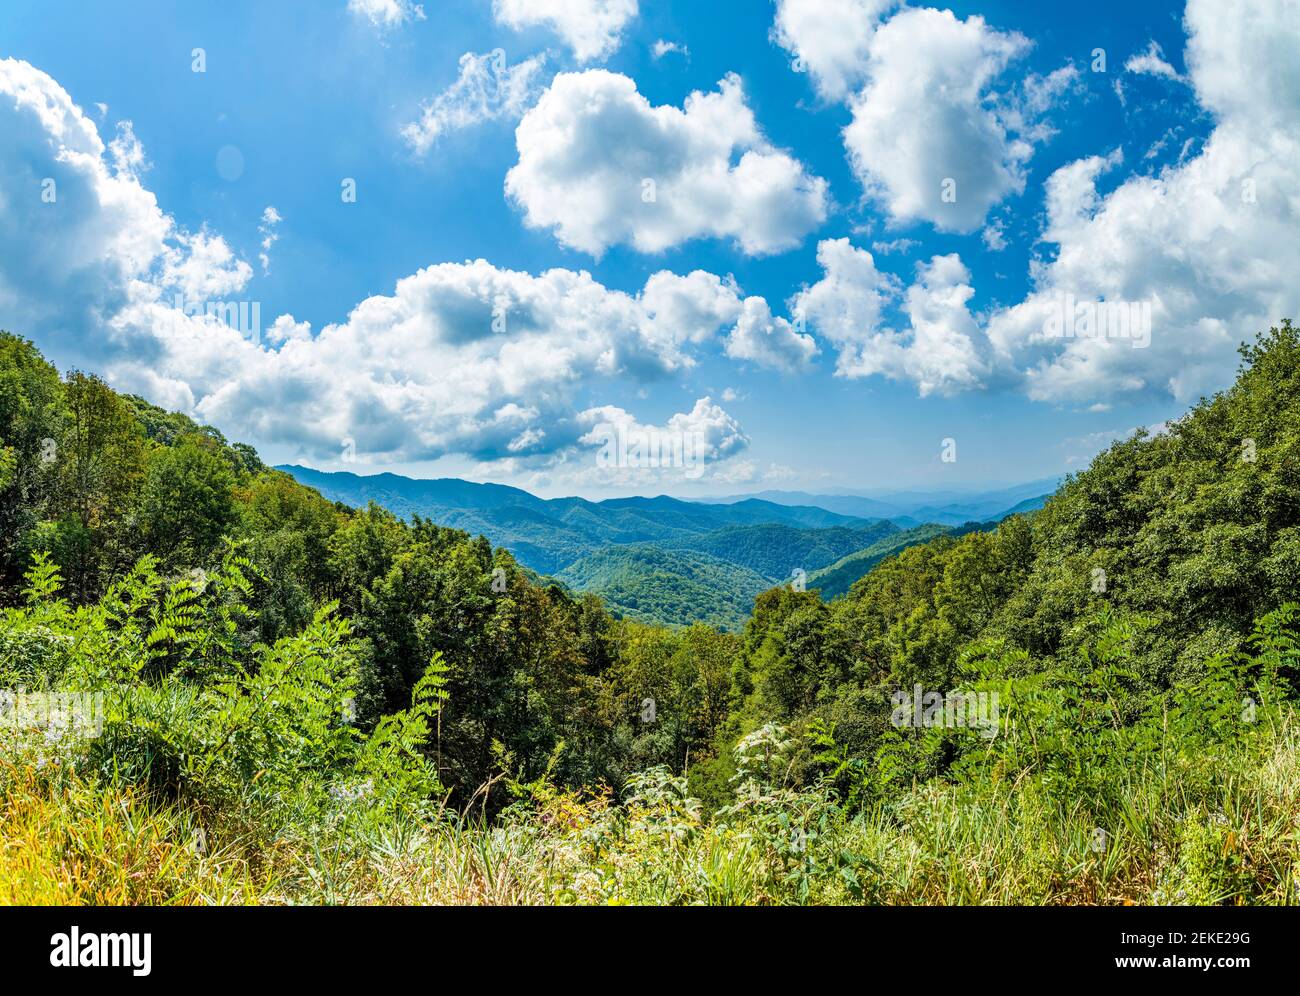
(1148, 160)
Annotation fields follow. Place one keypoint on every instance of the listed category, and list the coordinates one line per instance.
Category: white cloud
(1042, 92)
(600, 166)
(126, 151)
(591, 28)
(387, 14)
(941, 350)
(684, 311)
(1152, 63)
(1205, 242)
(661, 48)
(285, 329)
(486, 89)
(891, 246)
(269, 230)
(720, 435)
(830, 40)
(943, 354)
(846, 305)
(930, 139)
(691, 446)
(1071, 194)
(86, 238)
(201, 267)
(762, 338)
(926, 140)
(462, 359)
(994, 236)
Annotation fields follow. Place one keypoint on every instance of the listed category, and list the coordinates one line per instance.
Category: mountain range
(668, 560)
(911, 508)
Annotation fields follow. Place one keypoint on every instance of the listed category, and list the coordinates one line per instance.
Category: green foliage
(835, 579)
(32, 411)
(8, 466)
(393, 760)
(653, 585)
(185, 502)
(776, 550)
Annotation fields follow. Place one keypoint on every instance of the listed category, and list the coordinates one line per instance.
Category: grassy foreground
(1213, 829)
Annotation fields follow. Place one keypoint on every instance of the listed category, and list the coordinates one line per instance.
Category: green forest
(295, 701)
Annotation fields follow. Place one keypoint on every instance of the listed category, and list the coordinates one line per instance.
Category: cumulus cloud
(846, 305)
(593, 29)
(719, 435)
(994, 236)
(830, 40)
(1152, 63)
(486, 89)
(80, 229)
(661, 48)
(940, 350)
(601, 166)
(1204, 243)
(686, 311)
(1202, 247)
(387, 14)
(200, 266)
(618, 451)
(891, 246)
(769, 341)
(925, 140)
(930, 138)
(126, 152)
(464, 359)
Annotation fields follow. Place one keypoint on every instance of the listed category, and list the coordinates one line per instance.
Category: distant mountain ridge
(668, 560)
(911, 508)
(549, 534)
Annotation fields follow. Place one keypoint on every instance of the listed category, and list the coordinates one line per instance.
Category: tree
(99, 465)
(31, 412)
(185, 503)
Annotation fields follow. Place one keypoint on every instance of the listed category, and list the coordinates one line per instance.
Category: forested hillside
(667, 561)
(308, 702)
(656, 560)
(714, 577)
(835, 580)
(670, 587)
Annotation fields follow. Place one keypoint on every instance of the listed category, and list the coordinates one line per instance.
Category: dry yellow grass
(66, 841)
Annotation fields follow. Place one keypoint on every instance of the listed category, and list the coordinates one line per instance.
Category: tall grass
(1226, 830)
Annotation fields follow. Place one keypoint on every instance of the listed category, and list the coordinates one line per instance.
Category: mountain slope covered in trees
(835, 579)
(654, 559)
(671, 587)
